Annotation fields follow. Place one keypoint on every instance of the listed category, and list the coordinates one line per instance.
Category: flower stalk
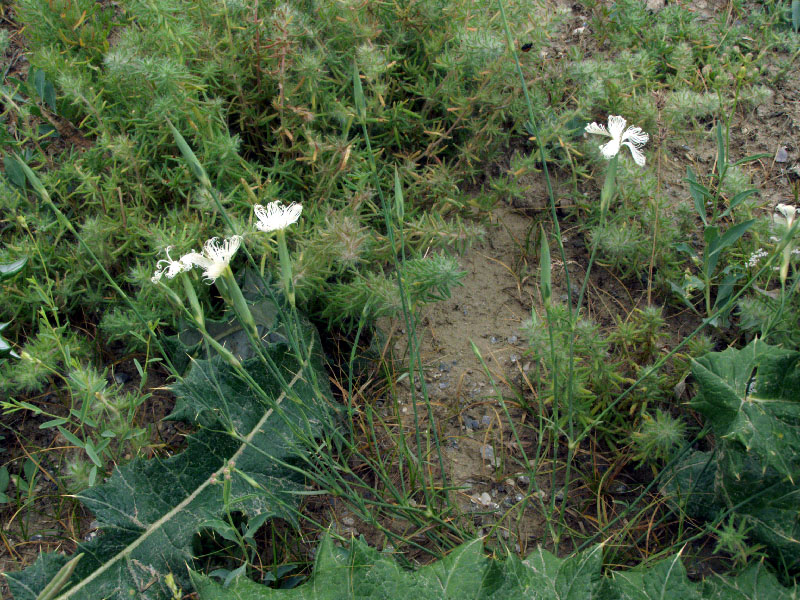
(194, 302)
(286, 268)
(275, 217)
(609, 187)
(233, 296)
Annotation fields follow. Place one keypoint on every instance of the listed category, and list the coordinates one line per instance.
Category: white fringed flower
(632, 137)
(275, 216)
(170, 267)
(787, 214)
(215, 257)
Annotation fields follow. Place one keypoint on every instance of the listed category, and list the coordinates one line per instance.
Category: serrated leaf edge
(186, 501)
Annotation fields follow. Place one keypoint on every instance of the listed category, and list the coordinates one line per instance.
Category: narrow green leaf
(14, 171)
(33, 179)
(722, 157)
(751, 158)
(699, 194)
(53, 423)
(358, 94)
(737, 200)
(710, 258)
(60, 579)
(139, 369)
(399, 202)
(730, 236)
(8, 270)
(29, 468)
(91, 451)
(223, 528)
(796, 15)
(5, 348)
(545, 279)
(38, 82)
(189, 155)
(50, 96)
(682, 294)
(71, 438)
(254, 524)
(31, 407)
(716, 243)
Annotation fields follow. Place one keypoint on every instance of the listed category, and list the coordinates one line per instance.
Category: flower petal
(275, 216)
(596, 128)
(195, 259)
(635, 135)
(787, 210)
(616, 124)
(610, 149)
(638, 156)
(169, 267)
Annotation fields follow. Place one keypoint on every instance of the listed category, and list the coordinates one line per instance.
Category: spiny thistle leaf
(150, 510)
(466, 573)
(751, 399)
(363, 572)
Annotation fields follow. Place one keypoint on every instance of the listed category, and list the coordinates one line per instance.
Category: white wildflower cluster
(756, 257)
(216, 254)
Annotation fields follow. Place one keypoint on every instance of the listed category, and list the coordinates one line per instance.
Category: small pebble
(781, 155)
(618, 488)
(519, 498)
(444, 385)
(91, 535)
(523, 481)
(121, 378)
(560, 496)
(471, 423)
(512, 339)
(486, 420)
(493, 340)
(487, 452)
(485, 499)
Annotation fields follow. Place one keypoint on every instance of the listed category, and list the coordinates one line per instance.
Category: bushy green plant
(622, 247)
(657, 438)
